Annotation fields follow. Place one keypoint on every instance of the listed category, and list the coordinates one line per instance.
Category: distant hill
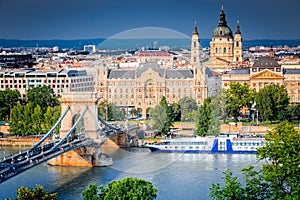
(70, 44)
(132, 43)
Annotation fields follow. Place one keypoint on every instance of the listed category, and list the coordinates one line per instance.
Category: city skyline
(77, 19)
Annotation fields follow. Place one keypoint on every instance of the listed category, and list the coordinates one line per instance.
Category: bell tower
(195, 47)
(238, 50)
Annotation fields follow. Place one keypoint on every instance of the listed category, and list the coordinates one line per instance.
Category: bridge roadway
(20, 162)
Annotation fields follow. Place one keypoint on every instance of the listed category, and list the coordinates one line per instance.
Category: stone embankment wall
(20, 141)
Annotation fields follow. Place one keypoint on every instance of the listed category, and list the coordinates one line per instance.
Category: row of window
(183, 83)
(262, 143)
(151, 96)
(46, 81)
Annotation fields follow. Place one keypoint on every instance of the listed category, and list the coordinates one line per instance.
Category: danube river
(176, 176)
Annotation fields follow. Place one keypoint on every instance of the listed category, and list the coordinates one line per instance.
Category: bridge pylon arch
(78, 101)
(88, 155)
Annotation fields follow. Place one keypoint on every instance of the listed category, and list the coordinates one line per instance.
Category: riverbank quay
(18, 141)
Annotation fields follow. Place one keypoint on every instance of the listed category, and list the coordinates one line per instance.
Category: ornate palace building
(265, 71)
(224, 48)
(143, 87)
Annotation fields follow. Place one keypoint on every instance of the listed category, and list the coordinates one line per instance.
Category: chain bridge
(81, 134)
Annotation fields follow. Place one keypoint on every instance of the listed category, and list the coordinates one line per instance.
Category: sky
(88, 19)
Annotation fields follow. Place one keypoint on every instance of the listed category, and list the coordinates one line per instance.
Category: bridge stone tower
(88, 155)
(78, 101)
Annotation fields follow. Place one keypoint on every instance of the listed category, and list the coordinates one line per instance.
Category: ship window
(197, 147)
(176, 147)
(190, 147)
(166, 147)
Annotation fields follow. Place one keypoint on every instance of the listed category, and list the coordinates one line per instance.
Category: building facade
(143, 87)
(265, 71)
(60, 81)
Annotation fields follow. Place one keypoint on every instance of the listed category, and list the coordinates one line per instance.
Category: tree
(187, 106)
(37, 119)
(159, 117)
(16, 125)
(114, 113)
(103, 109)
(238, 96)
(293, 111)
(43, 96)
(27, 119)
(128, 188)
(279, 177)
(272, 102)
(169, 121)
(38, 192)
(50, 118)
(282, 154)
(204, 117)
(176, 111)
(218, 111)
(8, 99)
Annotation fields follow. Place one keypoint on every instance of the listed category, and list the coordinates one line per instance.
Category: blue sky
(86, 19)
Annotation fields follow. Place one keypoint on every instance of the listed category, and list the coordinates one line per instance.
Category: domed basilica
(224, 47)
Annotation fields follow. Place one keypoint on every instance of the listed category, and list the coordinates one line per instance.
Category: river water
(175, 175)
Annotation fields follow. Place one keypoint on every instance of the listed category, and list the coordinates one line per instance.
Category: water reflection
(176, 175)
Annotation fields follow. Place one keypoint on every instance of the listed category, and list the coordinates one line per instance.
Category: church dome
(222, 29)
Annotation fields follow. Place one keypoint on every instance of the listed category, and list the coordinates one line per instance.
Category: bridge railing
(52, 129)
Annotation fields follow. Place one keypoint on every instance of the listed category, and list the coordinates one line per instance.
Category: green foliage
(90, 193)
(103, 109)
(17, 124)
(159, 117)
(232, 189)
(50, 117)
(272, 102)
(293, 111)
(37, 117)
(187, 106)
(282, 153)
(279, 178)
(37, 193)
(204, 117)
(176, 111)
(238, 96)
(169, 121)
(29, 120)
(8, 99)
(43, 96)
(115, 113)
(128, 188)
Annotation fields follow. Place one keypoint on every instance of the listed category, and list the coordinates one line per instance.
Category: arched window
(195, 44)
(224, 50)
(237, 43)
(216, 50)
